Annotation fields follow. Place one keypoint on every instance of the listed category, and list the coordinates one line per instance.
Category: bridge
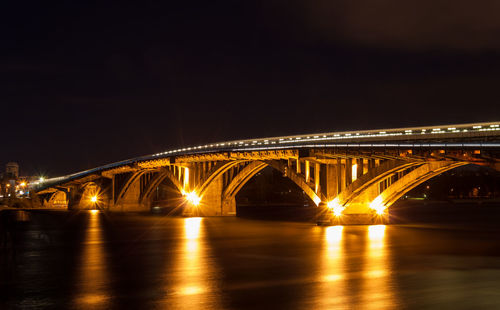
(351, 176)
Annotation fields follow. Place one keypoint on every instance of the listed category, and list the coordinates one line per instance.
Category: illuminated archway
(91, 196)
(371, 199)
(58, 200)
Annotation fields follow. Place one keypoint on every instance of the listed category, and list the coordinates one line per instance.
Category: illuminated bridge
(352, 175)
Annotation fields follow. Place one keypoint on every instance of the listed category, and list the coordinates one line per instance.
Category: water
(101, 261)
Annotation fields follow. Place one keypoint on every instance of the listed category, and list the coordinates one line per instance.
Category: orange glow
(93, 270)
(377, 285)
(192, 278)
(316, 200)
(331, 288)
(186, 177)
(23, 184)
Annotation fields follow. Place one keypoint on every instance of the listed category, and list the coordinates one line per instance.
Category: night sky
(84, 84)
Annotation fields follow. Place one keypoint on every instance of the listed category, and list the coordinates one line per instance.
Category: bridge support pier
(130, 202)
(363, 219)
(326, 217)
(212, 202)
(88, 196)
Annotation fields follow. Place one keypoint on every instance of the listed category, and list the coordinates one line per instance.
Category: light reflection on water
(332, 291)
(354, 269)
(377, 288)
(93, 278)
(144, 262)
(194, 284)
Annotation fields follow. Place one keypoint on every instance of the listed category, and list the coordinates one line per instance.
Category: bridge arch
(242, 178)
(215, 192)
(372, 198)
(87, 191)
(229, 191)
(217, 171)
(370, 180)
(418, 176)
(58, 199)
(164, 173)
(298, 179)
(125, 189)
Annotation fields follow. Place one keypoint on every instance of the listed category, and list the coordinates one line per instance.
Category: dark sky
(85, 83)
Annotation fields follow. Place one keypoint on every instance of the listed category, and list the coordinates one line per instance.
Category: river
(97, 260)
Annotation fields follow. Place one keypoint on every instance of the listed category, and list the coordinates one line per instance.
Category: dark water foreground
(84, 260)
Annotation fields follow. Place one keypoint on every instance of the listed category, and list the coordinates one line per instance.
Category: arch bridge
(353, 176)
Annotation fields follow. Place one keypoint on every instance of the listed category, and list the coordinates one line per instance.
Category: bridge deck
(477, 135)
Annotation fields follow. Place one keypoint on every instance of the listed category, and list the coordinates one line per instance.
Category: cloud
(414, 25)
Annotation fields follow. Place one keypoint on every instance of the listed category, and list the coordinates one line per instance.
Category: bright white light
(378, 205)
(192, 227)
(376, 232)
(193, 198)
(335, 206)
(334, 234)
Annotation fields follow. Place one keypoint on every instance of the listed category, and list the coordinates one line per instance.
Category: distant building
(12, 170)
(9, 180)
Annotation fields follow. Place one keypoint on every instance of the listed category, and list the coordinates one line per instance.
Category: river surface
(84, 260)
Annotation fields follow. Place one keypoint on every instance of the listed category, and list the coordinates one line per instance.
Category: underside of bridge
(347, 186)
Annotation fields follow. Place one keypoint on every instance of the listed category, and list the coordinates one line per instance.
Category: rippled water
(99, 261)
